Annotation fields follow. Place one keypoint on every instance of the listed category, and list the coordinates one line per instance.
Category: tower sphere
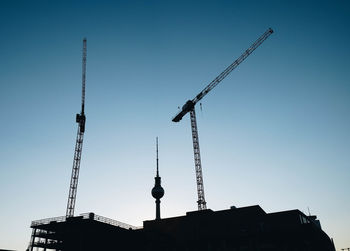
(157, 191)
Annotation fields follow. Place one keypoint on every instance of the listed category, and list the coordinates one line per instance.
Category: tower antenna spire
(157, 157)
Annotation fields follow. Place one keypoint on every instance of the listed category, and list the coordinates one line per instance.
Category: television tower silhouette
(157, 190)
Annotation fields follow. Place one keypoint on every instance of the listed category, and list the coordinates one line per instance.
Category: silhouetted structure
(80, 119)
(157, 190)
(189, 107)
(246, 228)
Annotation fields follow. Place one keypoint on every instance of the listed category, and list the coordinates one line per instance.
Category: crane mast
(189, 106)
(80, 119)
(202, 204)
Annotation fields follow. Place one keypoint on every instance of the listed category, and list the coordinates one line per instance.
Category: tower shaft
(157, 209)
(75, 174)
(197, 161)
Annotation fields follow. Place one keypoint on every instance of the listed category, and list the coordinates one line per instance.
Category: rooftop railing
(108, 221)
(48, 220)
(90, 216)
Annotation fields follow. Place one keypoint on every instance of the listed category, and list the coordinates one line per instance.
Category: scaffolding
(49, 233)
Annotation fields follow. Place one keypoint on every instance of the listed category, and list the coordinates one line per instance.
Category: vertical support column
(45, 243)
(75, 174)
(197, 162)
(32, 239)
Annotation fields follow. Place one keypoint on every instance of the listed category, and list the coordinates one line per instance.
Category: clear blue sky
(275, 132)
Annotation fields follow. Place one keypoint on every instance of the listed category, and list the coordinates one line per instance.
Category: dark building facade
(246, 228)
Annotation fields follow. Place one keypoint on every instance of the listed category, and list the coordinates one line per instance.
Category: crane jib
(222, 75)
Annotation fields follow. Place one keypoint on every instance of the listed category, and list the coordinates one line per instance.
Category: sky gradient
(275, 132)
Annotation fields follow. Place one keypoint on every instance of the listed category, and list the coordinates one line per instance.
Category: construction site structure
(189, 106)
(80, 119)
(238, 228)
(64, 234)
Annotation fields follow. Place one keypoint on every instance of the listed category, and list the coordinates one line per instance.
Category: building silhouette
(246, 228)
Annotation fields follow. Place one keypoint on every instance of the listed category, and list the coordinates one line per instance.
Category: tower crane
(189, 106)
(80, 119)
